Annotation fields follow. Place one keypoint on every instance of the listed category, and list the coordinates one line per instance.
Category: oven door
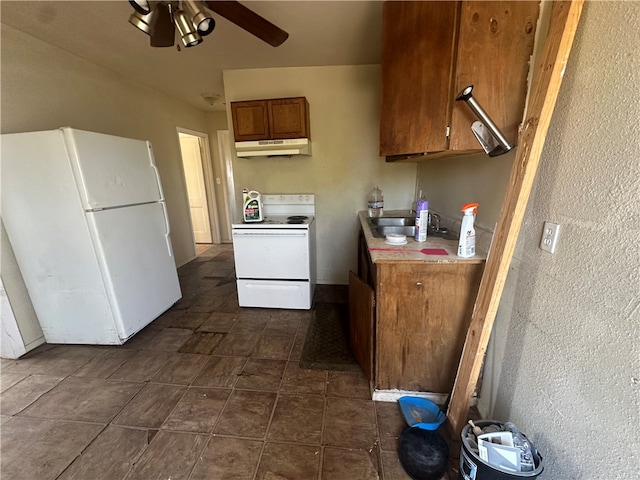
(272, 253)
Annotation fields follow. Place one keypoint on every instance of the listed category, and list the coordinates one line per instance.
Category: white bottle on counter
(467, 242)
(375, 202)
(252, 210)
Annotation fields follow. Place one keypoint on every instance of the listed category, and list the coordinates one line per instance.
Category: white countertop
(405, 252)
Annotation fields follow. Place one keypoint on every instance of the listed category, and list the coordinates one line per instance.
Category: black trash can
(472, 467)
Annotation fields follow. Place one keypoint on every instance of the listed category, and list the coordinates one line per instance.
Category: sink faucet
(434, 221)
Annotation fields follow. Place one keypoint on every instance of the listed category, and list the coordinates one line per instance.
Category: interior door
(361, 315)
(194, 177)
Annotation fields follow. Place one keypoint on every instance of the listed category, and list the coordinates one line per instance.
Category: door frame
(207, 170)
(228, 185)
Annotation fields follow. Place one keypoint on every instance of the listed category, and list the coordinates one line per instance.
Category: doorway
(196, 164)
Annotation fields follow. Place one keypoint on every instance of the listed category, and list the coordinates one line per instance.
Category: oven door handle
(265, 234)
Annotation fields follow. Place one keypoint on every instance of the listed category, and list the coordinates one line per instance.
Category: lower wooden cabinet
(409, 320)
(361, 324)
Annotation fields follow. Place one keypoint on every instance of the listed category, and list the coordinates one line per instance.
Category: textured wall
(564, 361)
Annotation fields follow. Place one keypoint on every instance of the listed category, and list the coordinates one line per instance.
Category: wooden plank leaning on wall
(546, 85)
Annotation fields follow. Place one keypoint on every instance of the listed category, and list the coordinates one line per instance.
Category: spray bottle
(422, 217)
(467, 242)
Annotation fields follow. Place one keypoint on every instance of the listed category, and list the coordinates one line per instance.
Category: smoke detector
(211, 98)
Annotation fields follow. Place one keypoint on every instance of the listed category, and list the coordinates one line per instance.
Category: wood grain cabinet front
(408, 320)
(270, 119)
(250, 120)
(431, 50)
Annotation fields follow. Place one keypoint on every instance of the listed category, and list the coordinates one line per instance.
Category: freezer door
(135, 254)
(112, 171)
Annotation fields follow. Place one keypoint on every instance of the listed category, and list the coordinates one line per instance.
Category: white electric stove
(275, 259)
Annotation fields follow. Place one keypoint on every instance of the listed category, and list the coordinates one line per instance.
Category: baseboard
(394, 395)
(182, 264)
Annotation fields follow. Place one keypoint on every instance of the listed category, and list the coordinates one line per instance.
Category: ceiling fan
(193, 20)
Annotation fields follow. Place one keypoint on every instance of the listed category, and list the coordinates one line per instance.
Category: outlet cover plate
(549, 239)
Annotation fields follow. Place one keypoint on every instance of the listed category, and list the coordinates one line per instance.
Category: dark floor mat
(327, 344)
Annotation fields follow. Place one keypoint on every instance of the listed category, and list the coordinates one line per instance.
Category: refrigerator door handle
(152, 161)
(168, 228)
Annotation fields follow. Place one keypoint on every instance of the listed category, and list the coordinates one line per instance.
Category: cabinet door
(288, 118)
(361, 311)
(494, 45)
(250, 120)
(423, 315)
(417, 59)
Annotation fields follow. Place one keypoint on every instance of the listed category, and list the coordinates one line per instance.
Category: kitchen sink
(403, 225)
(393, 221)
(384, 230)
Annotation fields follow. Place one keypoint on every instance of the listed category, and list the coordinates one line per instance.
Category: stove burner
(296, 219)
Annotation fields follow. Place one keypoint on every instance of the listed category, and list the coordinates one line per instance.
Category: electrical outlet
(549, 239)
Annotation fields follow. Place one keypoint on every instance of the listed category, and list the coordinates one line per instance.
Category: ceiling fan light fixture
(141, 22)
(199, 16)
(188, 32)
(141, 6)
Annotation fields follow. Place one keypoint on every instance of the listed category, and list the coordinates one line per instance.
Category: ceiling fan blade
(249, 21)
(162, 28)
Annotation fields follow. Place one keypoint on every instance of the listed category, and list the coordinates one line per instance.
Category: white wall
(449, 183)
(345, 165)
(44, 87)
(17, 339)
(564, 359)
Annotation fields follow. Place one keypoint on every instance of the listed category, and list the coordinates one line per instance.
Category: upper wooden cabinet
(270, 119)
(431, 51)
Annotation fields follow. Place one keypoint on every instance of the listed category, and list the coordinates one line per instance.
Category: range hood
(270, 148)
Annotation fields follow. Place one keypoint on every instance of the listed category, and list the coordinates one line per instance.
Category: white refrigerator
(87, 220)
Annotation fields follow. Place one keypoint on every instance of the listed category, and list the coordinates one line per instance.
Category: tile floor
(207, 391)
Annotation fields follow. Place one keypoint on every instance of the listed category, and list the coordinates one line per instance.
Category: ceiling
(321, 33)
